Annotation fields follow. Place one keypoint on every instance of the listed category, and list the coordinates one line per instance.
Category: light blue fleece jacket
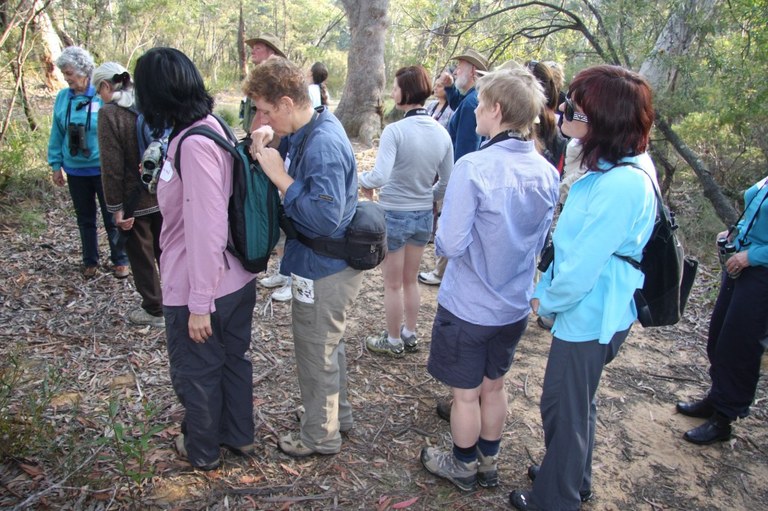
(588, 289)
(756, 240)
(59, 155)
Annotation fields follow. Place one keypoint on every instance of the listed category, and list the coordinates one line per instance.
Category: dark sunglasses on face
(571, 114)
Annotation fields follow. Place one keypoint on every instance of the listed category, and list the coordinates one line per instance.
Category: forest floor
(88, 414)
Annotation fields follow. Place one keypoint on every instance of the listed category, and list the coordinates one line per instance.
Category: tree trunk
(360, 109)
(675, 40)
(242, 61)
(18, 74)
(50, 50)
(712, 190)
(678, 35)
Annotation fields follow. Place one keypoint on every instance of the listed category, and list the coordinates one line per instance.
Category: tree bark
(675, 40)
(360, 109)
(711, 189)
(242, 58)
(50, 50)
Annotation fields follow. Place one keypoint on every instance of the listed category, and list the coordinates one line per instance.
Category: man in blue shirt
(462, 98)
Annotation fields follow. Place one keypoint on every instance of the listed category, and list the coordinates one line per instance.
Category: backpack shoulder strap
(224, 143)
(661, 214)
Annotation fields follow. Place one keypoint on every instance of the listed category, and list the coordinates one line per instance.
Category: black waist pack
(364, 245)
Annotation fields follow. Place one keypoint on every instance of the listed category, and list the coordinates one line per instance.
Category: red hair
(619, 105)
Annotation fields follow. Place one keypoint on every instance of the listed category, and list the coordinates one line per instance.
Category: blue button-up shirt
(323, 197)
(497, 211)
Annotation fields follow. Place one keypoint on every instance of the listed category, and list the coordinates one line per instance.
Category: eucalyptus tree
(684, 46)
(360, 109)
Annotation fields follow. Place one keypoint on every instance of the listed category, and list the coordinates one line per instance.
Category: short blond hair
(518, 93)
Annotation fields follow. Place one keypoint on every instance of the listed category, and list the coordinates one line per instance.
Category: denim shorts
(462, 353)
(408, 227)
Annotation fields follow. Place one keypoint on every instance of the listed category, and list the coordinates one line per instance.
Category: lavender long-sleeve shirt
(195, 266)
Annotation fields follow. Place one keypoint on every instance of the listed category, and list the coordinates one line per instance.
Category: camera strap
(743, 239)
(90, 93)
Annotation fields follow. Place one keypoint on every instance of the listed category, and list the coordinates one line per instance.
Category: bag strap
(660, 212)
(224, 143)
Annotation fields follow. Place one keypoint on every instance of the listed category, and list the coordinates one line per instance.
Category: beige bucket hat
(475, 58)
(268, 39)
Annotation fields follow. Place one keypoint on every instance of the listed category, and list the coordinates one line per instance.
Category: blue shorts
(462, 353)
(408, 227)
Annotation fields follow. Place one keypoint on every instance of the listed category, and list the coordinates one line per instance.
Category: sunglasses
(571, 114)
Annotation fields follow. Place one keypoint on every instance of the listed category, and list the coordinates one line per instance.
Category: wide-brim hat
(268, 39)
(475, 58)
(509, 64)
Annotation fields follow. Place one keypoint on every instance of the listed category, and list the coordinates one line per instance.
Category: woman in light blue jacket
(587, 289)
(73, 149)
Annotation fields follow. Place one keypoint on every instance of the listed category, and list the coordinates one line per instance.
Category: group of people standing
(483, 148)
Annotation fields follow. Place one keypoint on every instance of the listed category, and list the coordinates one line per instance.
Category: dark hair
(414, 84)
(169, 89)
(546, 129)
(275, 78)
(619, 106)
(319, 76)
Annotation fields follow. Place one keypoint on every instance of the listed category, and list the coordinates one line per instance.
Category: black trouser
(143, 249)
(214, 379)
(85, 192)
(737, 332)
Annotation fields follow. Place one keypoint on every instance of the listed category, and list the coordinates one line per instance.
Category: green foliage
(228, 114)
(132, 443)
(21, 154)
(23, 428)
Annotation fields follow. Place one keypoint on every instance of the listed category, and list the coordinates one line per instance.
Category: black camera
(78, 140)
(151, 162)
(726, 249)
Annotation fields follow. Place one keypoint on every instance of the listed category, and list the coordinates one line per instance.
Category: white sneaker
(275, 280)
(430, 278)
(283, 294)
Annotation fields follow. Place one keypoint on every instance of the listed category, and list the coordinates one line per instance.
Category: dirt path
(78, 353)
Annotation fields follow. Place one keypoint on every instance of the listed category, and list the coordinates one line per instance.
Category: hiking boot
(411, 342)
(430, 278)
(487, 470)
(90, 271)
(446, 465)
(381, 344)
(181, 450)
(275, 280)
(292, 445)
(246, 451)
(142, 317)
(122, 271)
(284, 294)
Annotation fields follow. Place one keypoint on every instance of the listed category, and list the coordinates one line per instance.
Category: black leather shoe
(701, 409)
(443, 409)
(522, 500)
(716, 429)
(533, 471)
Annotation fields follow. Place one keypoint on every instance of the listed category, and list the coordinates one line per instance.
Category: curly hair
(274, 79)
(76, 58)
(619, 106)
